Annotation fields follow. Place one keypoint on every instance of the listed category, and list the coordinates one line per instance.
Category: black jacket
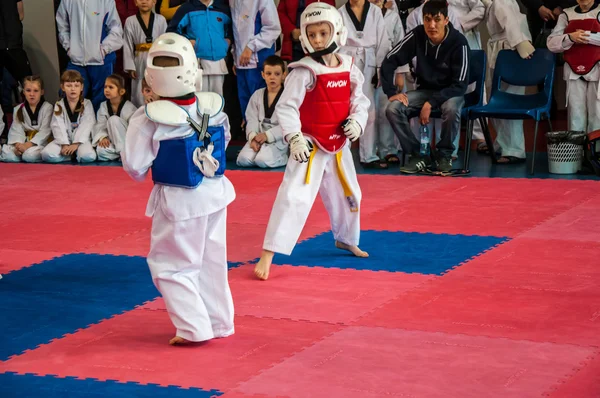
(11, 28)
(443, 68)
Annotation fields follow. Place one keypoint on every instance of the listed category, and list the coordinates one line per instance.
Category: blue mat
(13, 385)
(58, 296)
(409, 252)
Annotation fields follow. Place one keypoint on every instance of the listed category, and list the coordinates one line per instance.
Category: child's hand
(104, 143)
(228, 42)
(579, 36)
(296, 35)
(245, 57)
(261, 138)
(68, 150)
(18, 149)
(255, 145)
(133, 74)
(193, 42)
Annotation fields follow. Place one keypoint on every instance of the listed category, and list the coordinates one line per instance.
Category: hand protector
(352, 129)
(299, 149)
(525, 49)
(204, 160)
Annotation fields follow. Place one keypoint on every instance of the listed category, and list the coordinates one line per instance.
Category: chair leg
(468, 139)
(488, 139)
(549, 123)
(534, 147)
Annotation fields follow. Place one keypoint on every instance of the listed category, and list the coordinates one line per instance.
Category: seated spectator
(442, 75)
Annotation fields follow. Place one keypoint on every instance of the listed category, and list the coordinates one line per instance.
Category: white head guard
(323, 12)
(173, 81)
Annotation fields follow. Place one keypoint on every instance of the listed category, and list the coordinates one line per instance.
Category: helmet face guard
(173, 81)
(323, 13)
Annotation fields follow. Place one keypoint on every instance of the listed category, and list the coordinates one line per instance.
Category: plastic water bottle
(424, 132)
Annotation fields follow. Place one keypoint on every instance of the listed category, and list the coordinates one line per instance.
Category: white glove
(299, 148)
(352, 129)
(204, 160)
(525, 49)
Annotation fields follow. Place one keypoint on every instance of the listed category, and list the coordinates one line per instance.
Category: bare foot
(264, 265)
(178, 341)
(352, 249)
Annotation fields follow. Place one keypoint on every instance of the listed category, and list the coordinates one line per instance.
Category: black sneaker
(416, 164)
(444, 165)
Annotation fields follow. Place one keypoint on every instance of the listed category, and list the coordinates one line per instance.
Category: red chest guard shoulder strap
(327, 103)
(582, 57)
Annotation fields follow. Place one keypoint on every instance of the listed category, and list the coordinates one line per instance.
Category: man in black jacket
(442, 75)
(12, 55)
(540, 12)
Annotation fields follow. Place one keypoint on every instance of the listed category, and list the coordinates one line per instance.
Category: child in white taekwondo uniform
(388, 144)
(71, 124)
(577, 36)
(256, 27)
(508, 30)
(322, 101)
(368, 44)
(30, 131)
(138, 34)
(182, 138)
(265, 147)
(112, 120)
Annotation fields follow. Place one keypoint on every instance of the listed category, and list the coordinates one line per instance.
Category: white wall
(39, 40)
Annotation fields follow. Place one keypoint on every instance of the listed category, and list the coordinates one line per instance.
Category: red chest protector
(582, 57)
(327, 103)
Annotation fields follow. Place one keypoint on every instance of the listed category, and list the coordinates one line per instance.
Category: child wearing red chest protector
(321, 110)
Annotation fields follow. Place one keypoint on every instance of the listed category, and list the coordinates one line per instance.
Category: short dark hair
(435, 7)
(274, 60)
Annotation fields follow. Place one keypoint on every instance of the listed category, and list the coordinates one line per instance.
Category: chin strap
(318, 55)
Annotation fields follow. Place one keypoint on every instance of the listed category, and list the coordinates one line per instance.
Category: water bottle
(424, 132)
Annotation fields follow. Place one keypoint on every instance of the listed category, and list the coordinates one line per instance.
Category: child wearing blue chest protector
(182, 137)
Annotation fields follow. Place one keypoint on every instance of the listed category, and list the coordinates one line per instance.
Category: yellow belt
(30, 134)
(341, 176)
(143, 47)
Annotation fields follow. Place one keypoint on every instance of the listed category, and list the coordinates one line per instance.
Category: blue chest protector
(174, 163)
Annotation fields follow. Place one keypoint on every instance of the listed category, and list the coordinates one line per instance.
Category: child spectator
(265, 147)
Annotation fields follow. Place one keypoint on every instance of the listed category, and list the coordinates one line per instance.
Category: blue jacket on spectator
(209, 26)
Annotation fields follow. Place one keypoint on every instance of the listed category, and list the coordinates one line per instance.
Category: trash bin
(565, 151)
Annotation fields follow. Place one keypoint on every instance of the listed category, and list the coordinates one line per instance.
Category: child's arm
(270, 30)
(86, 124)
(62, 25)
(177, 19)
(514, 25)
(16, 134)
(114, 40)
(287, 25)
(401, 54)
(128, 111)
(58, 126)
(100, 129)
(167, 11)
(287, 110)
(474, 16)
(359, 103)
(558, 41)
(44, 132)
(140, 147)
(129, 50)
(252, 115)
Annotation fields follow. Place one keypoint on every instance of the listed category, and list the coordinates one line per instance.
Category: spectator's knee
(453, 106)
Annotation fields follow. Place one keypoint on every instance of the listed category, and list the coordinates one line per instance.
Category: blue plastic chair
(477, 67)
(512, 69)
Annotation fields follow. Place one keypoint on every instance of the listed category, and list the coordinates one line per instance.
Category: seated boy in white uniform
(322, 101)
(265, 147)
(183, 137)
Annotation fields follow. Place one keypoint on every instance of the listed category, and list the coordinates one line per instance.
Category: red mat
(313, 294)
(580, 223)
(133, 244)
(532, 259)
(65, 233)
(584, 382)
(466, 219)
(133, 347)
(491, 307)
(12, 260)
(373, 362)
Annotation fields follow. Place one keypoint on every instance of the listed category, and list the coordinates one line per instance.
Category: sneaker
(444, 165)
(416, 164)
